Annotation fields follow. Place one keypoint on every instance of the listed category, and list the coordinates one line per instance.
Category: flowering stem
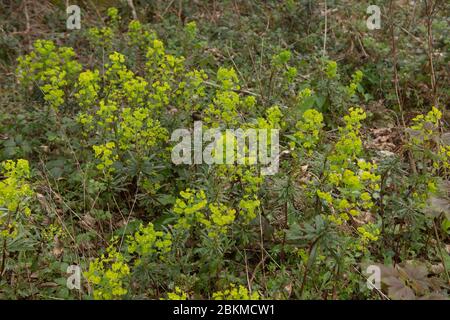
(2, 267)
(440, 251)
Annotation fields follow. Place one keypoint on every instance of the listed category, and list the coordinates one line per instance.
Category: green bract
(52, 69)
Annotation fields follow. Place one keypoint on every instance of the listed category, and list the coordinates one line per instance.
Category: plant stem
(2, 267)
(440, 251)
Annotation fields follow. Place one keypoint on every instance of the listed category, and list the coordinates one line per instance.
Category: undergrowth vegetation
(85, 149)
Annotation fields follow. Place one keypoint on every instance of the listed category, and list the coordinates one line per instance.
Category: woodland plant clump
(87, 179)
(15, 194)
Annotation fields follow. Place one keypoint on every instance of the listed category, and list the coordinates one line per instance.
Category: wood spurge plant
(355, 123)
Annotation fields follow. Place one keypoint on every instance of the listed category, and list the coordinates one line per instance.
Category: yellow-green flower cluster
(107, 114)
(193, 208)
(139, 36)
(368, 232)
(132, 128)
(425, 139)
(191, 90)
(228, 79)
(50, 68)
(308, 129)
(221, 217)
(15, 187)
(103, 37)
(52, 231)
(331, 69)
(105, 153)
(146, 241)
(428, 142)
(15, 191)
(163, 72)
(124, 84)
(273, 119)
(249, 103)
(226, 102)
(250, 180)
(189, 209)
(350, 182)
(425, 127)
(305, 93)
(356, 80)
(88, 87)
(290, 74)
(280, 59)
(178, 294)
(191, 30)
(444, 157)
(138, 130)
(108, 275)
(248, 206)
(235, 293)
(135, 90)
(349, 145)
